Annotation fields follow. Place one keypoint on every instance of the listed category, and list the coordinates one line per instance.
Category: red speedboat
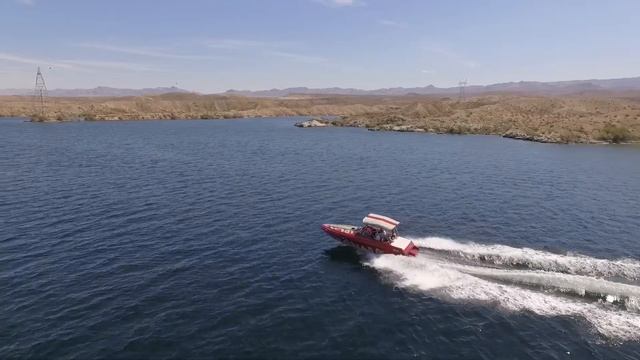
(378, 234)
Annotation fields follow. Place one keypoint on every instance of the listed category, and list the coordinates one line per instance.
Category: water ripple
(195, 239)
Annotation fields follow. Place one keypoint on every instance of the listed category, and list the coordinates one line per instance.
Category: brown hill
(565, 119)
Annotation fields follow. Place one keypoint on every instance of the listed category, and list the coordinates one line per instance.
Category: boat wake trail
(515, 279)
(534, 259)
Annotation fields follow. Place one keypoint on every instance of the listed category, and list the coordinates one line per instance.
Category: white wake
(554, 285)
(535, 259)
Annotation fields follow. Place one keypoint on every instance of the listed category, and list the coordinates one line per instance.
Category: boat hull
(348, 235)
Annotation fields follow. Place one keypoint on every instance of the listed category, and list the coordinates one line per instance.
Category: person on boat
(367, 232)
(386, 236)
(379, 235)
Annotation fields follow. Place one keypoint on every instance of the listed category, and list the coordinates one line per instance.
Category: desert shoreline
(589, 119)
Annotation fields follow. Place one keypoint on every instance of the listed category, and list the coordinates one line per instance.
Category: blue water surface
(201, 239)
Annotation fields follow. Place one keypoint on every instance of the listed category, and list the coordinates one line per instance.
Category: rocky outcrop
(512, 134)
(398, 128)
(312, 123)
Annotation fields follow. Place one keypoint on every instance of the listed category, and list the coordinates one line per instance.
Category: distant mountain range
(98, 92)
(522, 87)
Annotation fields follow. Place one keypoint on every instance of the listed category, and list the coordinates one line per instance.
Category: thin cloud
(428, 71)
(117, 65)
(240, 44)
(298, 57)
(141, 51)
(271, 48)
(10, 70)
(340, 3)
(76, 64)
(391, 23)
(453, 56)
(31, 61)
(234, 44)
(27, 2)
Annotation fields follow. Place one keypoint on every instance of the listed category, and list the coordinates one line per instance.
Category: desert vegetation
(615, 134)
(558, 119)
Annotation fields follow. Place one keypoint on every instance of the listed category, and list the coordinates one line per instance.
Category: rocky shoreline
(514, 135)
(558, 119)
(508, 135)
(315, 122)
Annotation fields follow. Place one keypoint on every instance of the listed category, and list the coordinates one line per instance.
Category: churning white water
(550, 285)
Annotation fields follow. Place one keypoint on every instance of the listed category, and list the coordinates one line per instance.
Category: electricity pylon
(462, 84)
(40, 94)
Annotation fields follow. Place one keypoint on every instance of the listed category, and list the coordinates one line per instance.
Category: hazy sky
(211, 46)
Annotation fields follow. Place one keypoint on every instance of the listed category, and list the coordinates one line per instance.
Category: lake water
(183, 239)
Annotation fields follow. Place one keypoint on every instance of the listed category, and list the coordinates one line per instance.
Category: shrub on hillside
(614, 134)
(38, 118)
(89, 116)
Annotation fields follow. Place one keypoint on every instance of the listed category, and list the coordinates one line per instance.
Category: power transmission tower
(40, 94)
(461, 85)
